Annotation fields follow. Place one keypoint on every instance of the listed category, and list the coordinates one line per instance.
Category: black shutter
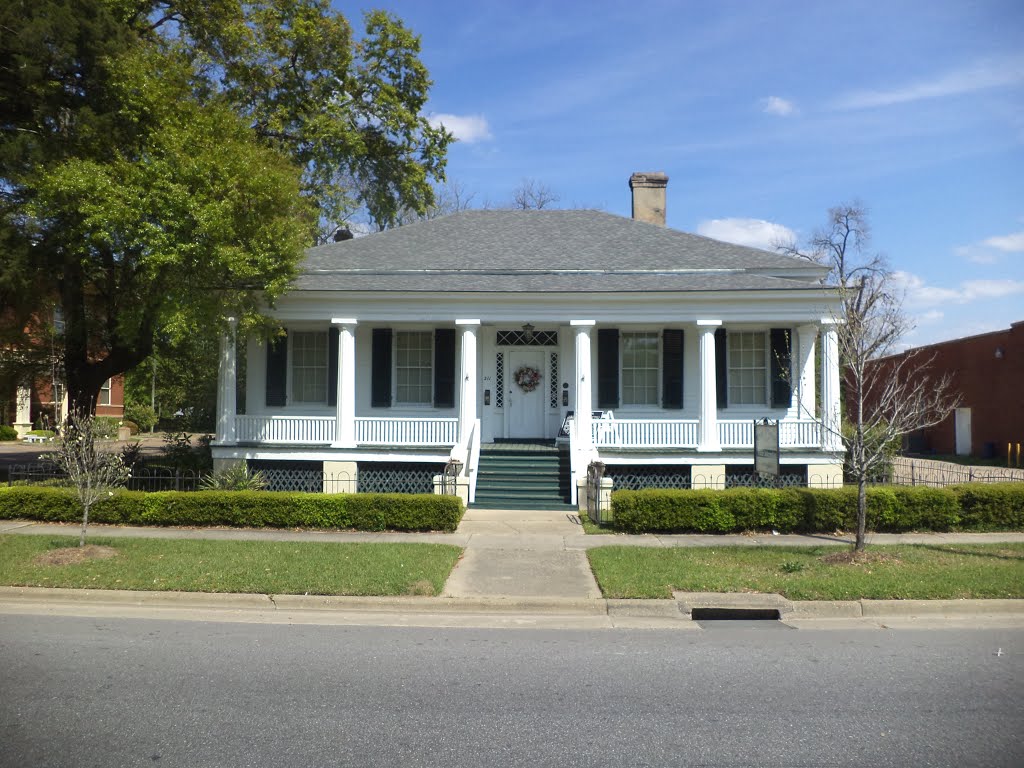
(444, 368)
(782, 353)
(672, 368)
(277, 371)
(722, 367)
(607, 368)
(332, 366)
(380, 389)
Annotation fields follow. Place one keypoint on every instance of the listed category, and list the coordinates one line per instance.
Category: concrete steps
(536, 477)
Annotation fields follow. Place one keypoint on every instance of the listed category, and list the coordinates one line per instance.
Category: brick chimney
(649, 196)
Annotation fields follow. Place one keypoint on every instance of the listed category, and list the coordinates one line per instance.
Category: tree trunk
(84, 385)
(862, 513)
(85, 522)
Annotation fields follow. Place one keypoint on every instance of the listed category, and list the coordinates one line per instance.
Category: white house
(583, 334)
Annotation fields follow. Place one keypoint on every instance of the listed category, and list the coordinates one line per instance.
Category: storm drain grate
(735, 614)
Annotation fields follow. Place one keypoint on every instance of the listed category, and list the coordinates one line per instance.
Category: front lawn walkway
(263, 567)
(901, 572)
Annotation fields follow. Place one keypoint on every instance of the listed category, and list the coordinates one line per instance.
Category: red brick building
(34, 397)
(988, 373)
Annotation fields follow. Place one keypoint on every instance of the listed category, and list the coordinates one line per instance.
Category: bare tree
(885, 399)
(94, 472)
(533, 195)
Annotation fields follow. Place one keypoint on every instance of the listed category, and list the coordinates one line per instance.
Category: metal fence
(939, 474)
(140, 479)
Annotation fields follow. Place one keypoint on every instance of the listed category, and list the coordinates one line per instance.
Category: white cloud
(776, 105)
(977, 254)
(466, 128)
(756, 233)
(1013, 243)
(991, 249)
(981, 76)
(920, 295)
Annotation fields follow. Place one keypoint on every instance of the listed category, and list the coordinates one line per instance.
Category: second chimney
(649, 196)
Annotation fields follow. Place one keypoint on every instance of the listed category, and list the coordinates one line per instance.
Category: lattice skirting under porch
(373, 477)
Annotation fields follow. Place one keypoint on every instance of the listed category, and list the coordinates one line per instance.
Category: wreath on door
(527, 378)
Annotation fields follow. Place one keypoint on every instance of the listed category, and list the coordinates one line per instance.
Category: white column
(831, 419)
(468, 374)
(345, 415)
(227, 377)
(707, 437)
(584, 388)
(807, 336)
(23, 409)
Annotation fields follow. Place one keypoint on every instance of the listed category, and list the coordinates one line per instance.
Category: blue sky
(764, 115)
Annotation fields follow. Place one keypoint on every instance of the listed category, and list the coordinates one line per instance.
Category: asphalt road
(128, 692)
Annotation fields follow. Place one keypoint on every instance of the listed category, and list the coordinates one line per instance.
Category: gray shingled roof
(545, 251)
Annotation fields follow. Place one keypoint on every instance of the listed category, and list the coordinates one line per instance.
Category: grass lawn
(263, 567)
(927, 571)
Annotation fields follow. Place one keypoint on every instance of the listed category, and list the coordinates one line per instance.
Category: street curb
(677, 609)
(323, 603)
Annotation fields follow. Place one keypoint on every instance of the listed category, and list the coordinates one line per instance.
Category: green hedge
(892, 509)
(256, 509)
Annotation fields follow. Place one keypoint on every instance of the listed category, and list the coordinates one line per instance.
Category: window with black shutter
(722, 367)
(672, 368)
(332, 366)
(380, 387)
(781, 361)
(608, 368)
(444, 368)
(277, 371)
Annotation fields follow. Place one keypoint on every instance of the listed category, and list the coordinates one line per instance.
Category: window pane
(640, 368)
(747, 368)
(414, 374)
(309, 366)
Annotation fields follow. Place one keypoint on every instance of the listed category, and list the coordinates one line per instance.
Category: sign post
(766, 447)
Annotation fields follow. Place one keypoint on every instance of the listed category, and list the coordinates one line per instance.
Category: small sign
(766, 447)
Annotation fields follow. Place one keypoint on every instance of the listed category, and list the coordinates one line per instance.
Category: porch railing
(284, 429)
(683, 433)
(320, 430)
(401, 431)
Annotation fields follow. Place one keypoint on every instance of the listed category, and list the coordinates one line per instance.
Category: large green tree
(163, 164)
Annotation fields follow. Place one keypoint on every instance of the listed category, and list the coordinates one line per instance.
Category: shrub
(133, 428)
(131, 454)
(42, 432)
(667, 510)
(257, 509)
(926, 509)
(8, 433)
(142, 415)
(763, 508)
(990, 506)
(105, 427)
(180, 454)
(237, 477)
(975, 507)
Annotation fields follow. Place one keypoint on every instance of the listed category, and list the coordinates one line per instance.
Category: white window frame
(293, 347)
(104, 395)
(429, 402)
(765, 368)
(657, 369)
